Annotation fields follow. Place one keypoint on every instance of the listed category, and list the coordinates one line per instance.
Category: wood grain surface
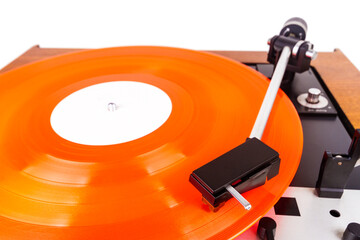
(339, 74)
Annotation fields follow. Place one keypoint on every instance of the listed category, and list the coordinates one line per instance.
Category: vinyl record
(53, 187)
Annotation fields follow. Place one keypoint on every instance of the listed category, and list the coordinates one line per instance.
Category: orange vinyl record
(53, 188)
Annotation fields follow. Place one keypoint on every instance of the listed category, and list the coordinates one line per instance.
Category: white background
(194, 24)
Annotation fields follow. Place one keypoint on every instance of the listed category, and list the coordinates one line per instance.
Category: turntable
(100, 144)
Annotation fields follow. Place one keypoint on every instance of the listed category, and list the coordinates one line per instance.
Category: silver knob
(313, 95)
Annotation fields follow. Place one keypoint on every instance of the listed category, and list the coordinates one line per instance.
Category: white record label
(111, 113)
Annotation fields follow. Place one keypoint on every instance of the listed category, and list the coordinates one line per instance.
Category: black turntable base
(324, 129)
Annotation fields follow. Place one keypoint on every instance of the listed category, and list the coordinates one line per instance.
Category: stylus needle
(238, 197)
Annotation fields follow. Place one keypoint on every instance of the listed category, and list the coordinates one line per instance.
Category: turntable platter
(55, 188)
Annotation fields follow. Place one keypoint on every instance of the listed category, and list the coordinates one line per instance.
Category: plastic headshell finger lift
(251, 163)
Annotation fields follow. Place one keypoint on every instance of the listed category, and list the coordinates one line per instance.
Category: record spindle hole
(112, 107)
